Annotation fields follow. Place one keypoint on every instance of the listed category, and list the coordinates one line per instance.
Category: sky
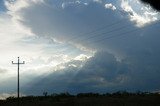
(79, 46)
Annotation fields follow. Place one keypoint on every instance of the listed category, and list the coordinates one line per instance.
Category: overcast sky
(79, 46)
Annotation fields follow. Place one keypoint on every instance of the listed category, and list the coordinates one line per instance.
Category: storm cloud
(101, 73)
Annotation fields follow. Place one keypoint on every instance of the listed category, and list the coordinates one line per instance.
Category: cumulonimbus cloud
(129, 57)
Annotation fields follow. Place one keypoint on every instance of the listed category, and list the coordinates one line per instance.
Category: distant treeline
(120, 98)
(91, 94)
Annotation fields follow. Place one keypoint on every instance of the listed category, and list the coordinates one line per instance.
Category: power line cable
(122, 34)
(108, 32)
(95, 30)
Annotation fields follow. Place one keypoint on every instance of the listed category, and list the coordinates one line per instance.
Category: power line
(121, 34)
(75, 37)
(108, 32)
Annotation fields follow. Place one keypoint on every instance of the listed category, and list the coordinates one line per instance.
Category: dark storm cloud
(103, 73)
(154, 3)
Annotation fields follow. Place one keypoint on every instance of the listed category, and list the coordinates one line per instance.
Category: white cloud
(78, 3)
(82, 57)
(16, 5)
(11, 34)
(98, 1)
(110, 6)
(139, 13)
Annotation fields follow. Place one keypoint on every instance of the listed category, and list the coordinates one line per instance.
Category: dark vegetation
(87, 99)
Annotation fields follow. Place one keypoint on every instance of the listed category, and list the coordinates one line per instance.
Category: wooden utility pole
(18, 64)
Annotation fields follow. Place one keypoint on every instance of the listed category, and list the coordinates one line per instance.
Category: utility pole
(18, 64)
